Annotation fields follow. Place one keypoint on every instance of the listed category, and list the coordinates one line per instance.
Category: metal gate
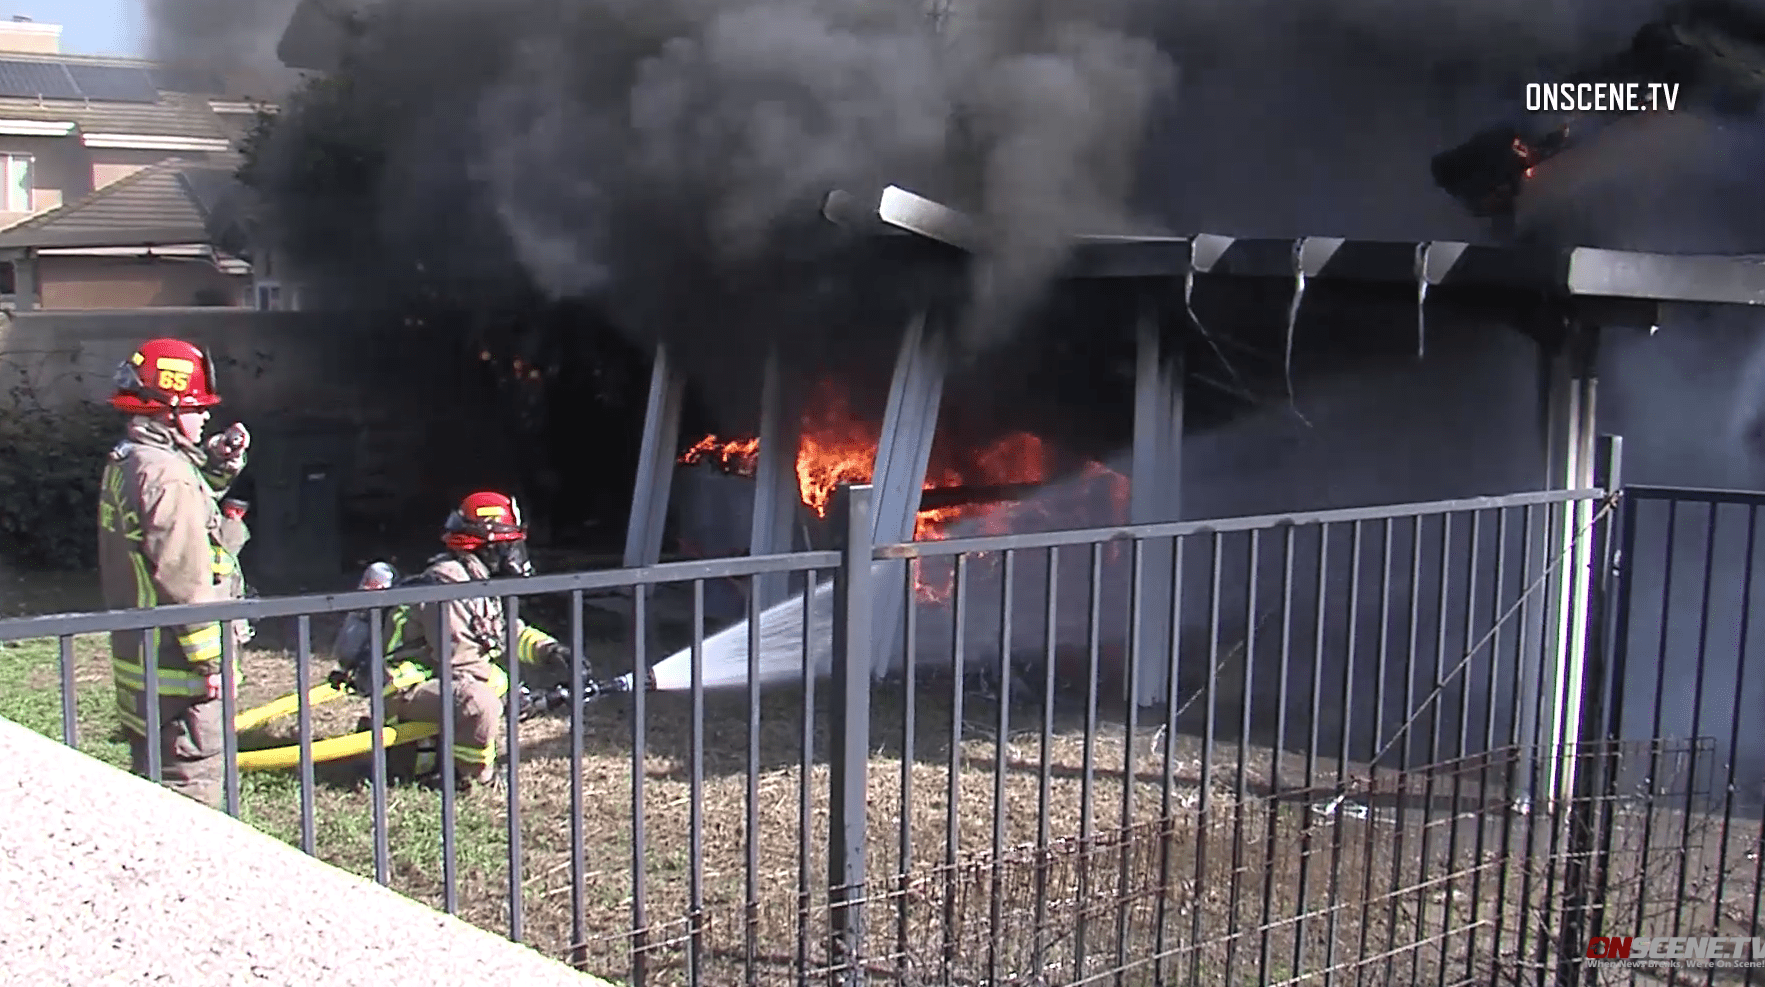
(1670, 815)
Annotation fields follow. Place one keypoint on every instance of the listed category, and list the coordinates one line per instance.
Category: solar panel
(186, 80)
(116, 84)
(32, 79)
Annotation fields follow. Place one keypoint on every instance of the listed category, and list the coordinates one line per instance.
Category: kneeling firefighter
(485, 537)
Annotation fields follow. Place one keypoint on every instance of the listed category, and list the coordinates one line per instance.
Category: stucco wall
(128, 282)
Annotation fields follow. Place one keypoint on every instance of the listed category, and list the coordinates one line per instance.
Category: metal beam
(903, 453)
(655, 465)
(1155, 494)
(776, 497)
(1550, 702)
(1582, 272)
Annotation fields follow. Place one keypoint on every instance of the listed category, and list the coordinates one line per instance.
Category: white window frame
(12, 163)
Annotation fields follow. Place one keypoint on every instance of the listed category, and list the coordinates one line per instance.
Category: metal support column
(776, 498)
(655, 465)
(849, 759)
(1590, 787)
(1569, 390)
(903, 453)
(1155, 493)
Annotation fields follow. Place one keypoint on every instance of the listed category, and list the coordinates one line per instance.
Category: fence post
(849, 760)
(1588, 851)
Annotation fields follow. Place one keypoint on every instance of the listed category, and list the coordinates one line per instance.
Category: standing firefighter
(485, 537)
(163, 538)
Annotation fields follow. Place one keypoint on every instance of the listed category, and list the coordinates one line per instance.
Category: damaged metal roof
(1568, 272)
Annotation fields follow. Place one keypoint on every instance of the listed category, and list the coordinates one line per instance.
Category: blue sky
(92, 27)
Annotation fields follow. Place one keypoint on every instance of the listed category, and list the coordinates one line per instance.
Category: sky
(92, 27)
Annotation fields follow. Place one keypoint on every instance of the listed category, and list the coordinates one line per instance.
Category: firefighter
(163, 539)
(486, 537)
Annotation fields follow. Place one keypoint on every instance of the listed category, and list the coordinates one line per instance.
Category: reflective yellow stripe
(406, 674)
(475, 755)
(223, 562)
(530, 641)
(499, 680)
(171, 681)
(201, 645)
(395, 639)
(130, 721)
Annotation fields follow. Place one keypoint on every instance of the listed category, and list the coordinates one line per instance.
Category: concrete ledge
(106, 878)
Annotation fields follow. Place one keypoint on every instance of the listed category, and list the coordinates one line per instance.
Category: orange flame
(838, 447)
(734, 456)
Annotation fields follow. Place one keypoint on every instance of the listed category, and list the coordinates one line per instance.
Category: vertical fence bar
(1272, 819)
(70, 719)
(848, 784)
(449, 768)
(1585, 863)
(1491, 686)
(1520, 774)
(1166, 810)
(1234, 930)
(1342, 751)
(1376, 746)
(229, 709)
(640, 663)
(751, 882)
(154, 721)
(1000, 744)
(1130, 724)
(1087, 776)
(1044, 779)
(512, 726)
(1734, 731)
(1652, 779)
(695, 805)
(909, 679)
(578, 837)
(1697, 711)
(1455, 814)
(1404, 735)
(805, 771)
(953, 780)
(303, 632)
(1204, 807)
(1617, 674)
(1434, 701)
(1320, 627)
(377, 723)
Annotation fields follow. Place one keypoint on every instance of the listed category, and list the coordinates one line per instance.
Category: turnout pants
(190, 748)
(477, 714)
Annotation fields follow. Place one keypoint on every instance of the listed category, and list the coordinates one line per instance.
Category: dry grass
(1238, 878)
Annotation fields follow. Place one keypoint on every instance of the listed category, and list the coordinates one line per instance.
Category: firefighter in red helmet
(165, 538)
(486, 537)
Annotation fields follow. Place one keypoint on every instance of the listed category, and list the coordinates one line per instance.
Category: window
(269, 296)
(18, 184)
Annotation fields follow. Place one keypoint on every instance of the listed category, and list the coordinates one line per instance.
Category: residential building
(116, 186)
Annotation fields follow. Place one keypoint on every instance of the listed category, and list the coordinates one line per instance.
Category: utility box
(298, 474)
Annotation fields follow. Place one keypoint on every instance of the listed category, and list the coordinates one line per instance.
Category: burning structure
(1560, 300)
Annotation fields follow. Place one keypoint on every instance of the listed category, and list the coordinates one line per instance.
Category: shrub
(50, 461)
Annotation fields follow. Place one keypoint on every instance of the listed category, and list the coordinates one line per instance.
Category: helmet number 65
(176, 381)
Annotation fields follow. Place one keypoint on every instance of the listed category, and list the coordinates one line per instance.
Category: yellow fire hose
(333, 748)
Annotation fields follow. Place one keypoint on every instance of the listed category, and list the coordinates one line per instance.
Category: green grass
(30, 689)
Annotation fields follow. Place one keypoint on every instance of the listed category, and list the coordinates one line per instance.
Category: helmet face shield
(511, 558)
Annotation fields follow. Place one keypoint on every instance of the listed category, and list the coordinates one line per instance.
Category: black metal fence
(1321, 747)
